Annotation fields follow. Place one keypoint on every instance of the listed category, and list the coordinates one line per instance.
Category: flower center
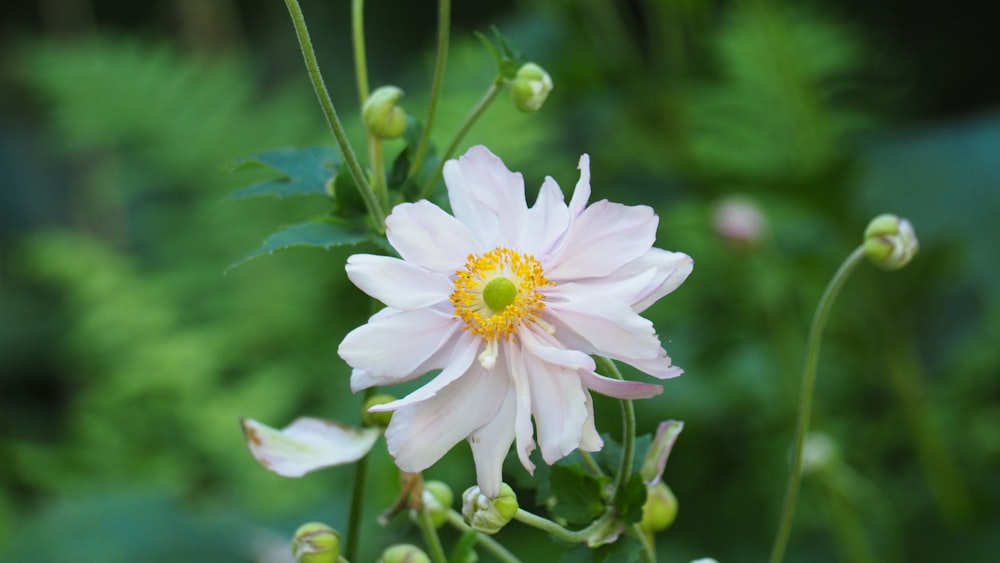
(497, 292)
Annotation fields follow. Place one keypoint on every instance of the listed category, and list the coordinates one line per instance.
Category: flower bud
(382, 117)
(819, 451)
(489, 515)
(381, 418)
(530, 87)
(739, 220)
(890, 241)
(660, 509)
(316, 542)
(437, 500)
(404, 553)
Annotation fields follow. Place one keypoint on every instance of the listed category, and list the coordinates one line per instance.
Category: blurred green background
(127, 355)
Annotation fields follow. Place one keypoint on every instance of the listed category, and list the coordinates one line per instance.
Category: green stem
(648, 552)
(628, 430)
(357, 499)
(431, 536)
(588, 460)
(358, 35)
(444, 25)
(805, 400)
(474, 115)
(323, 95)
(546, 525)
(378, 170)
(490, 544)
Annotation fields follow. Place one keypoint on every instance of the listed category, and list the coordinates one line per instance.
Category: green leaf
(625, 550)
(303, 172)
(578, 494)
(325, 232)
(629, 503)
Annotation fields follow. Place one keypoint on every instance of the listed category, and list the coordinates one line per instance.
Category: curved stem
(431, 537)
(546, 525)
(805, 400)
(330, 113)
(490, 544)
(357, 499)
(444, 25)
(648, 552)
(474, 115)
(358, 35)
(628, 430)
(378, 170)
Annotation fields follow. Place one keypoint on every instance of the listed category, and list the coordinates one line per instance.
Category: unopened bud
(819, 451)
(437, 499)
(382, 117)
(316, 543)
(660, 509)
(530, 87)
(739, 220)
(380, 418)
(489, 515)
(404, 553)
(890, 242)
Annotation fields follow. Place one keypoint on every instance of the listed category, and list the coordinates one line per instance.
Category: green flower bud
(378, 418)
(489, 515)
(404, 553)
(530, 87)
(890, 242)
(316, 542)
(382, 117)
(818, 452)
(660, 509)
(437, 499)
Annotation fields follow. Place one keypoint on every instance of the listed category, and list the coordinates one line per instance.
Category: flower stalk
(805, 400)
(429, 531)
(628, 429)
(444, 27)
(488, 543)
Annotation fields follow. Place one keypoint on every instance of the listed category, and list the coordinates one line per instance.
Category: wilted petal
(659, 451)
(307, 444)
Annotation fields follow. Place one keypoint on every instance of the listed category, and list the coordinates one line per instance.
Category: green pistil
(499, 293)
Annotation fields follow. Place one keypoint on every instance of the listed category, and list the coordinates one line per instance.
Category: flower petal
(605, 237)
(491, 443)
(463, 353)
(517, 371)
(307, 444)
(558, 402)
(617, 388)
(672, 268)
(394, 346)
(581, 193)
(419, 434)
(611, 327)
(547, 222)
(590, 441)
(424, 234)
(486, 196)
(659, 451)
(397, 283)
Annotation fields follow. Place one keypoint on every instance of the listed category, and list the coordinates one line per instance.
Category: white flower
(508, 302)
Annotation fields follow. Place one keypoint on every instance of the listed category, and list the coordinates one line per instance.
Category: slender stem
(491, 545)
(431, 536)
(628, 429)
(474, 115)
(588, 460)
(546, 525)
(648, 552)
(357, 499)
(444, 26)
(358, 35)
(378, 170)
(323, 95)
(805, 400)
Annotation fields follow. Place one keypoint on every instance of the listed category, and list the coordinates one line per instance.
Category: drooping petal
(419, 434)
(605, 237)
(617, 388)
(558, 402)
(523, 431)
(491, 443)
(395, 345)
(463, 352)
(671, 268)
(424, 234)
(397, 283)
(590, 441)
(307, 444)
(486, 196)
(660, 367)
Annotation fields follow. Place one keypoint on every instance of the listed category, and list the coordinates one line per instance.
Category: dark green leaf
(629, 503)
(303, 172)
(578, 494)
(346, 193)
(325, 233)
(625, 550)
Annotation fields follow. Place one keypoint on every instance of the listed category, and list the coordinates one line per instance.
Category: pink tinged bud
(739, 220)
(659, 451)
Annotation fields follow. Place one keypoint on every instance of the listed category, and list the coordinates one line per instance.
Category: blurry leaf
(625, 550)
(507, 57)
(629, 503)
(324, 233)
(349, 203)
(578, 494)
(464, 550)
(304, 172)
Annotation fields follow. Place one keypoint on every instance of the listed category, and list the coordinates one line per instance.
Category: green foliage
(303, 172)
(324, 233)
(578, 494)
(625, 550)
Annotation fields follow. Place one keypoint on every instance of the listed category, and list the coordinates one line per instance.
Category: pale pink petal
(395, 345)
(545, 347)
(624, 289)
(427, 236)
(611, 327)
(660, 367)
(491, 443)
(547, 222)
(486, 196)
(581, 193)
(659, 451)
(463, 353)
(605, 237)
(397, 283)
(672, 268)
(558, 402)
(307, 444)
(640, 283)
(617, 388)
(420, 434)
(523, 431)
(590, 441)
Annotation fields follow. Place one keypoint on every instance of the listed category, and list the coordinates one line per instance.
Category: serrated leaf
(629, 502)
(303, 172)
(578, 494)
(325, 233)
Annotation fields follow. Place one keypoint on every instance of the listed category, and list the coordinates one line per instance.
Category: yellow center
(497, 292)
